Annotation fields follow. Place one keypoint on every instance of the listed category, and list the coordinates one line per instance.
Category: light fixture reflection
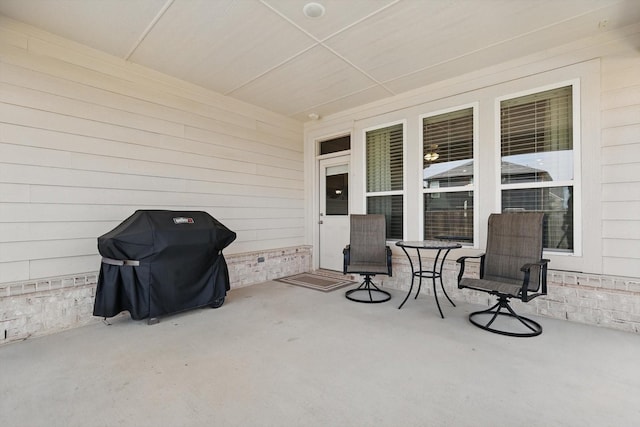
(431, 157)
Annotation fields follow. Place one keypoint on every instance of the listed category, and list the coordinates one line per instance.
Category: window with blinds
(385, 174)
(537, 158)
(448, 175)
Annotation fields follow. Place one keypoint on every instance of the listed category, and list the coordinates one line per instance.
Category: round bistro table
(436, 269)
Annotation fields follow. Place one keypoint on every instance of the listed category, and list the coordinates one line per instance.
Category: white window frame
(476, 169)
(577, 172)
(402, 192)
(475, 106)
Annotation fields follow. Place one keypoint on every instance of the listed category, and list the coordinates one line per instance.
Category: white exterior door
(334, 211)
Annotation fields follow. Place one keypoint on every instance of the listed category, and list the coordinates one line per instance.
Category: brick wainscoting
(609, 301)
(45, 306)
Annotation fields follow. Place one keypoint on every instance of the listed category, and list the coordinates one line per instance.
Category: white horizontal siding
(621, 191)
(51, 267)
(124, 172)
(12, 94)
(627, 134)
(12, 38)
(38, 212)
(619, 173)
(86, 139)
(19, 251)
(620, 165)
(622, 116)
(124, 143)
(41, 231)
(621, 248)
(618, 228)
(15, 271)
(623, 210)
(622, 266)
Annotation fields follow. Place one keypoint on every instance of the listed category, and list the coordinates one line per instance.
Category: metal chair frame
(506, 288)
(372, 227)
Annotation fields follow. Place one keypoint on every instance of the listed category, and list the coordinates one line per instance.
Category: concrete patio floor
(280, 355)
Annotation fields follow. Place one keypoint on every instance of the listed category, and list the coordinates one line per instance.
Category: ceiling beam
(147, 30)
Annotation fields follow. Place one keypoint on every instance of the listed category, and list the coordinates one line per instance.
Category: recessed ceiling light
(313, 10)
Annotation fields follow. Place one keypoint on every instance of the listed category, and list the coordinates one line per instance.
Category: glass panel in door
(337, 190)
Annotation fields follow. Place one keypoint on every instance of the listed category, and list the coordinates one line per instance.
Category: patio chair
(367, 254)
(511, 267)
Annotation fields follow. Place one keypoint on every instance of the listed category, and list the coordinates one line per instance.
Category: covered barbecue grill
(158, 262)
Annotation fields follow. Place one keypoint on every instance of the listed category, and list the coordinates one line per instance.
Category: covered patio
(98, 119)
(282, 355)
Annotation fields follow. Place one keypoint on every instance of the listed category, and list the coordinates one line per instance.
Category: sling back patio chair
(511, 267)
(367, 254)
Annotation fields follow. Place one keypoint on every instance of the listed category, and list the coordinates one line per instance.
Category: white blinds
(537, 123)
(384, 149)
(449, 135)
(537, 160)
(384, 159)
(448, 175)
(448, 142)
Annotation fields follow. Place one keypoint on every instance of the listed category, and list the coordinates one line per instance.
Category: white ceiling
(268, 53)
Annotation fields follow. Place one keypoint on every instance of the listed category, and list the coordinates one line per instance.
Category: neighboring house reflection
(453, 212)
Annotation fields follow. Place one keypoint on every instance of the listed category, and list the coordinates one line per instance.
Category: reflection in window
(537, 160)
(555, 202)
(449, 215)
(337, 190)
(391, 208)
(448, 175)
(385, 175)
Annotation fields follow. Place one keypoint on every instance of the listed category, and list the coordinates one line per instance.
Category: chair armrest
(462, 261)
(346, 255)
(526, 269)
(389, 261)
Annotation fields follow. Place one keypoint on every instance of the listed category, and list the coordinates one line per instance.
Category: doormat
(318, 281)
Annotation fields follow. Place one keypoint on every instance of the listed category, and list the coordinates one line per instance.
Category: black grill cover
(159, 262)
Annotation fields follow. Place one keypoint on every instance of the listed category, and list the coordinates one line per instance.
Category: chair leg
(371, 289)
(497, 310)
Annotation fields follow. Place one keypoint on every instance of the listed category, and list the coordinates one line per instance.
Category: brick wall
(609, 301)
(255, 267)
(43, 306)
(46, 306)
